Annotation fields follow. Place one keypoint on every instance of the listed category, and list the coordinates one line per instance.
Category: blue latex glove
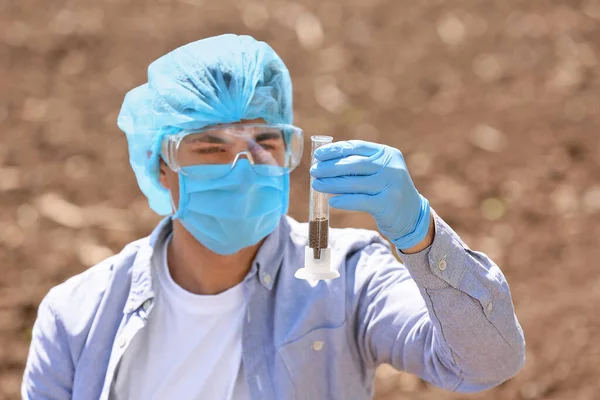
(373, 178)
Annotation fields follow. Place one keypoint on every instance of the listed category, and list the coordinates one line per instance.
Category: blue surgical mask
(233, 211)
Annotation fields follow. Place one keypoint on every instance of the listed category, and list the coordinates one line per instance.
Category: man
(208, 307)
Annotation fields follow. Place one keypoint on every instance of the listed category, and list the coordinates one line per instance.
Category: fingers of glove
(347, 148)
(352, 166)
(356, 202)
(369, 185)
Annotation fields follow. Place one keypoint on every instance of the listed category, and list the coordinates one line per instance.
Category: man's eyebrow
(267, 136)
(206, 138)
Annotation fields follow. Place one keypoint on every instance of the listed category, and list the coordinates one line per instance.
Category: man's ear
(163, 174)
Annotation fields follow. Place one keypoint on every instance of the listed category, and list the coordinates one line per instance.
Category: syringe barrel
(317, 255)
(318, 209)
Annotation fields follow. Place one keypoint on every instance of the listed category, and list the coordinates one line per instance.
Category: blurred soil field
(495, 105)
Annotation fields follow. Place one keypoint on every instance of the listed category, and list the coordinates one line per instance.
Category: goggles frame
(170, 144)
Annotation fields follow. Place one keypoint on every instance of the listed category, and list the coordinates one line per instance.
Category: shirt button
(490, 306)
(318, 345)
(122, 341)
(267, 279)
(442, 264)
(146, 304)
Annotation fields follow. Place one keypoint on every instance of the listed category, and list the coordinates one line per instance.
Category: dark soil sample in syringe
(318, 231)
(317, 253)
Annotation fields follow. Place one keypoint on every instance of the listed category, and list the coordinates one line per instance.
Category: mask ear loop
(173, 204)
(182, 197)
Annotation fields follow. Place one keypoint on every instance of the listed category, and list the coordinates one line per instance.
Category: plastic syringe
(317, 255)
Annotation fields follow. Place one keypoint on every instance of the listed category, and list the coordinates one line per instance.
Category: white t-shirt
(190, 349)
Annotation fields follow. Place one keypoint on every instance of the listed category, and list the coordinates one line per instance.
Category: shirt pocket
(321, 365)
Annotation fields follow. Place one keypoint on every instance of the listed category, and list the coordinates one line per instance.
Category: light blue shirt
(446, 315)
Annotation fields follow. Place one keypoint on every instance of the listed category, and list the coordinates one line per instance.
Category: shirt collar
(269, 258)
(141, 271)
(267, 261)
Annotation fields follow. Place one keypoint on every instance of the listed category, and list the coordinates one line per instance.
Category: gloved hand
(373, 178)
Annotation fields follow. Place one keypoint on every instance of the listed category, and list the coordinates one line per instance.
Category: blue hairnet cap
(217, 80)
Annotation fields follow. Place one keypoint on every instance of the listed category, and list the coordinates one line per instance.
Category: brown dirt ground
(494, 103)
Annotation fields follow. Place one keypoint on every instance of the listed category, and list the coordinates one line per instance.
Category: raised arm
(446, 315)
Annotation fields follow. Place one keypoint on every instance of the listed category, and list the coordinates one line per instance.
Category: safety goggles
(276, 145)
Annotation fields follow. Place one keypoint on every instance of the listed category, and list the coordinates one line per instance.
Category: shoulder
(74, 302)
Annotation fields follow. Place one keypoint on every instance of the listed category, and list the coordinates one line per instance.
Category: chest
(181, 354)
(288, 347)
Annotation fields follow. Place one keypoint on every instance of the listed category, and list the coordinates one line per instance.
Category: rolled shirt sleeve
(446, 315)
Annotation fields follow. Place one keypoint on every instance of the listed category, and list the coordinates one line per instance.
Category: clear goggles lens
(262, 144)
